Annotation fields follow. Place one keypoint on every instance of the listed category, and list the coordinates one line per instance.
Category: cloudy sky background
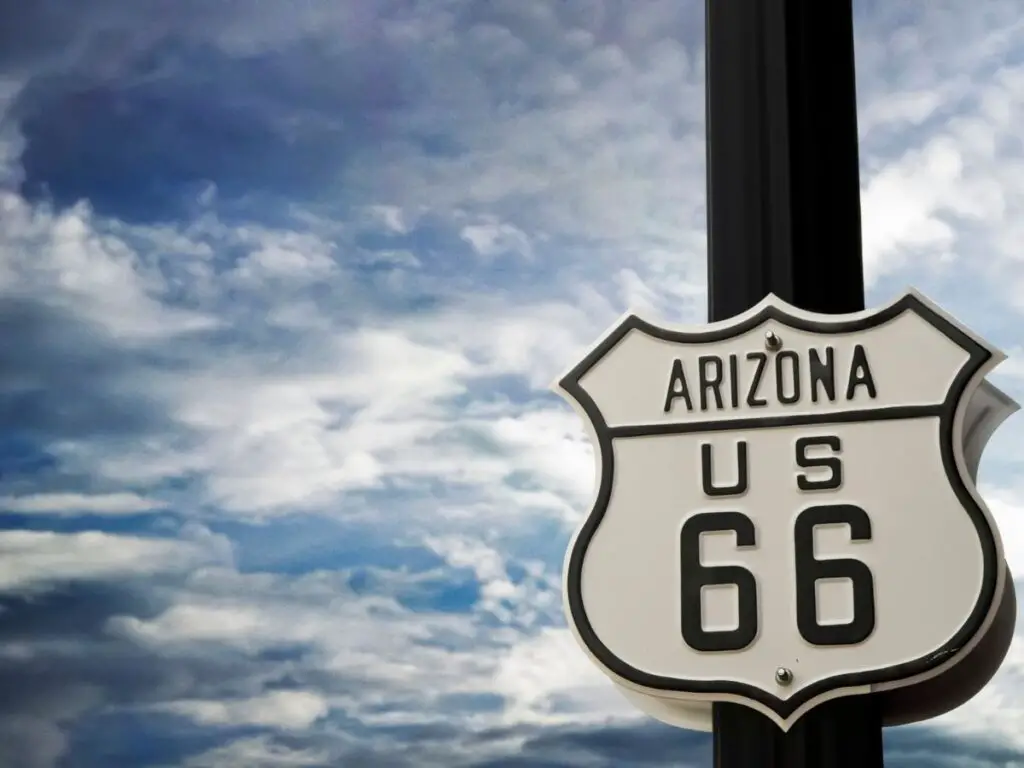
(283, 285)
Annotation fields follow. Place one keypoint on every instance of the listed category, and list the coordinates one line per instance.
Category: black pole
(783, 175)
(784, 218)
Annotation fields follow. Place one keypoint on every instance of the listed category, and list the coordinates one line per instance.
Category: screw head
(783, 676)
(772, 341)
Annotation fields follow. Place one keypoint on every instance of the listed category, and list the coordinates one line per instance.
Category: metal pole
(784, 218)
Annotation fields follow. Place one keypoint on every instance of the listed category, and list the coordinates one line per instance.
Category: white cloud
(388, 654)
(997, 710)
(76, 503)
(1014, 365)
(198, 622)
(256, 752)
(392, 217)
(285, 709)
(900, 205)
(940, 102)
(1008, 510)
(496, 238)
(277, 439)
(531, 340)
(597, 143)
(527, 603)
(290, 257)
(550, 669)
(63, 258)
(346, 411)
(33, 560)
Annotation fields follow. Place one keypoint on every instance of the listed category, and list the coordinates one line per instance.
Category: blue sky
(283, 286)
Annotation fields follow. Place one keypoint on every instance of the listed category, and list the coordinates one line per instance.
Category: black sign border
(979, 356)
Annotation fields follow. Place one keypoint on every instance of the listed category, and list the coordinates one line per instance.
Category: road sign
(785, 512)
(949, 686)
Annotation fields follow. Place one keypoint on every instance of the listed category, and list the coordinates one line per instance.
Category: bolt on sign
(785, 508)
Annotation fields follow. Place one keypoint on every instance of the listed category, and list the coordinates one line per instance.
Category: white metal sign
(784, 510)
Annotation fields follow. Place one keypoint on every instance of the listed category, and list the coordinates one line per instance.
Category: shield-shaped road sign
(784, 510)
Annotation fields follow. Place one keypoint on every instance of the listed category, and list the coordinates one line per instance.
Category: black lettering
(762, 360)
(694, 577)
(677, 387)
(860, 374)
(707, 472)
(810, 570)
(709, 382)
(823, 373)
(832, 463)
(794, 370)
(734, 381)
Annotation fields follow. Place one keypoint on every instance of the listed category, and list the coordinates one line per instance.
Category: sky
(283, 288)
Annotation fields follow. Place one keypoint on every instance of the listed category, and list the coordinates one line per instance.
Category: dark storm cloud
(137, 111)
(62, 379)
(650, 744)
(145, 151)
(136, 106)
(644, 744)
(73, 611)
(123, 739)
(924, 747)
(67, 668)
(67, 683)
(70, 656)
(95, 39)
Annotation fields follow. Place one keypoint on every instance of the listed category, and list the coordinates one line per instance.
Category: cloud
(492, 238)
(903, 199)
(76, 503)
(34, 560)
(92, 273)
(395, 656)
(292, 710)
(939, 145)
(258, 752)
(1008, 510)
(298, 281)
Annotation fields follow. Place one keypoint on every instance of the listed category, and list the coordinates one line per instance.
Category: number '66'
(695, 576)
